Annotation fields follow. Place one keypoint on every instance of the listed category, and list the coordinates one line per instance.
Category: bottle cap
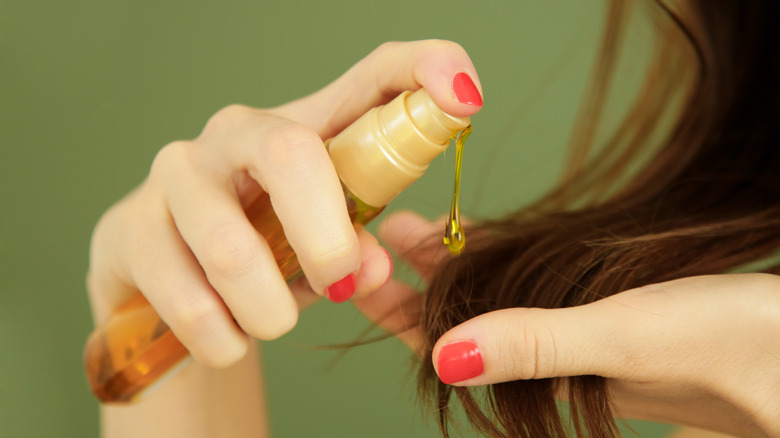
(391, 146)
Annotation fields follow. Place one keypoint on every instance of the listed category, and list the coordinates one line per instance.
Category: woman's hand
(702, 351)
(183, 239)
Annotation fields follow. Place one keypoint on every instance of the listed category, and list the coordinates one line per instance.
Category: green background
(90, 90)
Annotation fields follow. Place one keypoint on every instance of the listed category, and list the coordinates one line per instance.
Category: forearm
(197, 402)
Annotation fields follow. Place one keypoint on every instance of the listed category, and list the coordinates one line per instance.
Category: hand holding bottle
(183, 239)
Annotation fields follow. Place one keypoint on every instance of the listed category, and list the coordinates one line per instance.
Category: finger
(396, 308)
(522, 344)
(442, 67)
(644, 334)
(291, 164)
(108, 283)
(170, 277)
(376, 266)
(415, 239)
(236, 260)
(376, 269)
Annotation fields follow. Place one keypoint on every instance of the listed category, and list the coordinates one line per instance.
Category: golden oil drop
(454, 238)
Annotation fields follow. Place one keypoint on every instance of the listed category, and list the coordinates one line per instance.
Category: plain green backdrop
(90, 90)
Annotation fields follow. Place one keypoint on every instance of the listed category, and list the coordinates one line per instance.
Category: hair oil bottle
(376, 158)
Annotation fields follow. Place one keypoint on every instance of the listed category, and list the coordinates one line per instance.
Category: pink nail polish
(465, 90)
(459, 361)
(341, 290)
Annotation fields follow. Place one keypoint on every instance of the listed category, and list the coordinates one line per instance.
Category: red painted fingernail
(341, 290)
(465, 90)
(459, 361)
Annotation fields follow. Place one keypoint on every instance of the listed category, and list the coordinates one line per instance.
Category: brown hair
(707, 200)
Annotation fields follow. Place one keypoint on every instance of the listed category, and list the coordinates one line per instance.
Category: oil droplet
(454, 238)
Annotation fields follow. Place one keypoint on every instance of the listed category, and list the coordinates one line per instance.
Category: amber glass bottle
(376, 158)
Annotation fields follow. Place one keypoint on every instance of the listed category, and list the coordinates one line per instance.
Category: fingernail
(390, 261)
(459, 361)
(341, 290)
(465, 90)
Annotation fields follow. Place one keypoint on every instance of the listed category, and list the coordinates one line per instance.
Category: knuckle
(289, 142)
(169, 157)
(533, 354)
(377, 57)
(327, 254)
(386, 47)
(194, 319)
(289, 149)
(231, 251)
(191, 317)
(228, 117)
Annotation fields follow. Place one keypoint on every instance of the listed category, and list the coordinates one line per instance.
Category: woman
(626, 265)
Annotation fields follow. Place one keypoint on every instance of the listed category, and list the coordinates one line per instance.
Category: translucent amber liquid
(135, 349)
(454, 238)
(132, 352)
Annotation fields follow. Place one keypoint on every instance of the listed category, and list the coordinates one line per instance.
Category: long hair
(705, 200)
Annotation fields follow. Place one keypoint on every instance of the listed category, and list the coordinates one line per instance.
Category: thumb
(522, 343)
(442, 67)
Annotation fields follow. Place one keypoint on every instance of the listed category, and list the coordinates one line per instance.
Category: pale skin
(701, 351)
